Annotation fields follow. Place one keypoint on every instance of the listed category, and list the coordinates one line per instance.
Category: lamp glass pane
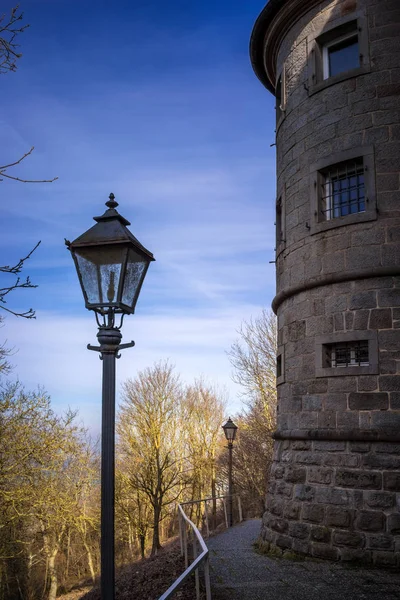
(135, 271)
(100, 270)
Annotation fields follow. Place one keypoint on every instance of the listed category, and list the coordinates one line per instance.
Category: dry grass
(147, 579)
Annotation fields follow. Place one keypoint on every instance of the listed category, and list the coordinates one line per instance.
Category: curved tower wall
(335, 482)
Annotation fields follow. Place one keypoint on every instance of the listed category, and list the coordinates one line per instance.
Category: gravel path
(239, 573)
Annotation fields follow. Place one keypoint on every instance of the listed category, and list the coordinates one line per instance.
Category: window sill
(322, 85)
(361, 217)
(345, 371)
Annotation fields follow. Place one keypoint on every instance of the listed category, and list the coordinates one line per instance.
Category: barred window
(342, 190)
(347, 354)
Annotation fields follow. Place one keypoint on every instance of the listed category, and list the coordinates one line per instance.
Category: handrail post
(226, 514)
(185, 538)
(180, 530)
(207, 577)
(240, 509)
(207, 527)
(196, 573)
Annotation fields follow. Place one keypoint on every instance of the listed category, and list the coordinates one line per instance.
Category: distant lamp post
(111, 265)
(230, 430)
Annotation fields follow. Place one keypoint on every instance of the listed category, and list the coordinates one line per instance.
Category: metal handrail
(203, 557)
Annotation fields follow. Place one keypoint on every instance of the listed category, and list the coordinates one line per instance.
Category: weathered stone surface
(368, 401)
(313, 513)
(368, 520)
(358, 479)
(338, 498)
(338, 517)
(348, 538)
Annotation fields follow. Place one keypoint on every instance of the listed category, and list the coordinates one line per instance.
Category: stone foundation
(335, 500)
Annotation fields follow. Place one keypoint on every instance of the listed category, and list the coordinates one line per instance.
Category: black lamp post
(111, 265)
(230, 430)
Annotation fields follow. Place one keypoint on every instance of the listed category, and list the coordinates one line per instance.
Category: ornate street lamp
(111, 265)
(230, 430)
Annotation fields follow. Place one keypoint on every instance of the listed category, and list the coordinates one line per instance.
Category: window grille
(348, 354)
(343, 190)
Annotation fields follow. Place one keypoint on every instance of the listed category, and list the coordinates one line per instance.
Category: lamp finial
(112, 203)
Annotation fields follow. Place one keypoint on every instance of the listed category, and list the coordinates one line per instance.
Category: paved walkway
(239, 573)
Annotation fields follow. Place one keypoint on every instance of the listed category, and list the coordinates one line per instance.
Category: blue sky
(156, 102)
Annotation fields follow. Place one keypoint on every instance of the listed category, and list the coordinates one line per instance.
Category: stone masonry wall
(335, 482)
(335, 500)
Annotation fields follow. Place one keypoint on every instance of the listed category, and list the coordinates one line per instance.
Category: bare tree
(10, 28)
(204, 407)
(150, 438)
(253, 357)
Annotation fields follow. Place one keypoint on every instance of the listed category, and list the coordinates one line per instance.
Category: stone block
(395, 400)
(292, 511)
(392, 89)
(361, 300)
(304, 493)
(389, 341)
(384, 500)
(391, 481)
(347, 420)
(327, 420)
(278, 525)
(388, 420)
(388, 182)
(321, 534)
(284, 542)
(320, 446)
(380, 318)
(352, 539)
(335, 402)
(387, 447)
(393, 524)
(363, 257)
(368, 401)
(319, 475)
(313, 513)
(283, 489)
(299, 530)
(357, 556)
(308, 458)
(360, 447)
(327, 495)
(389, 383)
(361, 318)
(342, 384)
(349, 320)
(358, 479)
(324, 551)
(301, 445)
(338, 517)
(351, 461)
(275, 506)
(367, 383)
(312, 403)
(384, 559)
(295, 474)
(300, 546)
(370, 520)
(381, 461)
(389, 297)
(380, 542)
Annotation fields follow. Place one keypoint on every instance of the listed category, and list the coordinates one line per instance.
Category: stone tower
(334, 68)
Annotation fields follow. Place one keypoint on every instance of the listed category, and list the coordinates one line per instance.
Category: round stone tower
(334, 68)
